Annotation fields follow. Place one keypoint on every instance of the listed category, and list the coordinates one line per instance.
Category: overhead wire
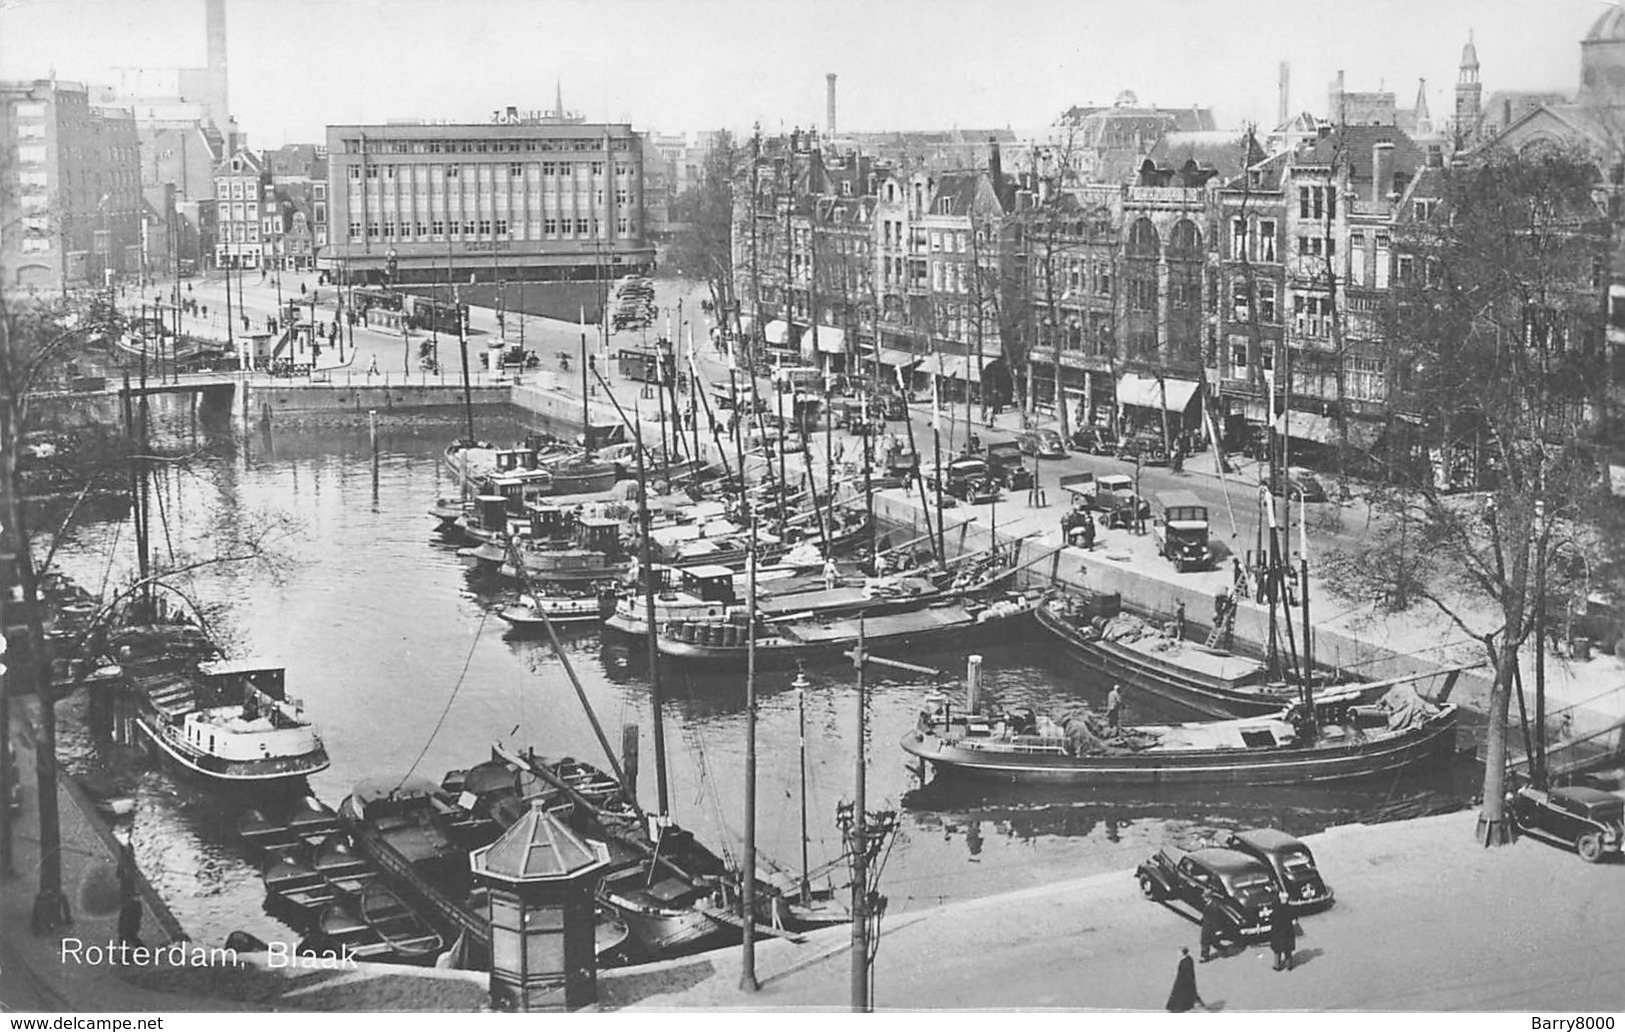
(438, 724)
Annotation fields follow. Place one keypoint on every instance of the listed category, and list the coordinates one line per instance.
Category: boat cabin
(599, 534)
(552, 523)
(509, 460)
(520, 488)
(492, 510)
(710, 583)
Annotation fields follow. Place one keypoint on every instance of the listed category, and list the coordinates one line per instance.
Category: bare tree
(1496, 341)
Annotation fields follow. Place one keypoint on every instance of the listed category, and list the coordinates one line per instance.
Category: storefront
(1142, 401)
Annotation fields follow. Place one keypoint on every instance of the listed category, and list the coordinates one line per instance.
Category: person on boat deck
(1184, 995)
(1114, 706)
(831, 575)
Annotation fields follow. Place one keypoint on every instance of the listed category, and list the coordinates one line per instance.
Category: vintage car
(1127, 510)
(1241, 885)
(1102, 494)
(1588, 819)
(970, 480)
(1181, 530)
(1300, 486)
(1044, 443)
(1290, 861)
(1144, 447)
(1096, 440)
(1006, 466)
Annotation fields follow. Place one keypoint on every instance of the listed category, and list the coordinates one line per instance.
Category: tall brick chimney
(1382, 170)
(829, 115)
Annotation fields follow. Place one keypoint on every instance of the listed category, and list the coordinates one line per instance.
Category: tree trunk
(1495, 826)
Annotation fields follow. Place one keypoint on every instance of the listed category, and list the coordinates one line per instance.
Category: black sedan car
(1044, 443)
(1096, 440)
(1589, 819)
(1289, 860)
(1144, 446)
(1241, 885)
(1301, 487)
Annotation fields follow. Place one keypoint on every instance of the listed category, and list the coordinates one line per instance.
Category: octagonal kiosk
(541, 877)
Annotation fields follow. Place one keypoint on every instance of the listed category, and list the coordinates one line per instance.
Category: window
(389, 231)
(452, 171)
(1311, 316)
(1266, 240)
(1238, 358)
(1407, 268)
(598, 168)
(1238, 239)
(1240, 301)
(623, 227)
(581, 227)
(389, 171)
(437, 227)
(516, 169)
(1317, 202)
(550, 226)
(1266, 302)
(485, 227)
(237, 190)
(468, 227)
(355, 231)
(1425, 208)
(622, 169)
(550, 168)
(36, 244)
(620, 198)
(1380, 277)
(372, 171)
(565, 168)
(501, 227)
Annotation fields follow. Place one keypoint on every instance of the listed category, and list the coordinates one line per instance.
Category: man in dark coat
(1284, 933)
(1213, 923)
(1184, 995)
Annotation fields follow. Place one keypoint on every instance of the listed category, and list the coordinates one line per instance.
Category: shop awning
(830, 340)
(957, 368)
(1149, 392)
(1312, 426)
(899, 358)
(777, 332)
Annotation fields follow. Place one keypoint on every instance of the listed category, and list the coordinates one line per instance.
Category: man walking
(1184, 995)
(1212, 928)
(1114, 707)
(1284, 933)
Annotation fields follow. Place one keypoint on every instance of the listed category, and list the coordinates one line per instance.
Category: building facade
(243, 229)
(71, 185)
(525, 196)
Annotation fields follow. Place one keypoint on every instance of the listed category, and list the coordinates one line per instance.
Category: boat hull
(274, 773)
(1431, 742)
(1201, 692)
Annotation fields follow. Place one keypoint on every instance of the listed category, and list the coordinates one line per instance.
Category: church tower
(1469, 93)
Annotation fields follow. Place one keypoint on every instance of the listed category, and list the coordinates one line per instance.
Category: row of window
(484, 146)
(425, 191)
(514, 170)
(436, 229)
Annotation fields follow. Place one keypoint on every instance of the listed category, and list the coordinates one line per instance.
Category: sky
(687, 65)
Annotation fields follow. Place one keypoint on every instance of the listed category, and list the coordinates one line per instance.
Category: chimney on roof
(1382, 170)
(1283, 105)
(1435, 156)
(995, 167)
(829, 104)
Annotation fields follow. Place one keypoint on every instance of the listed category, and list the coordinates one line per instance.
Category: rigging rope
(453, 698)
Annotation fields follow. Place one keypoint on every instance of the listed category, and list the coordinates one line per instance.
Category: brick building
(71, 185)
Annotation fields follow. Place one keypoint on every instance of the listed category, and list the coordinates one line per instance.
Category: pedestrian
(205, 311)
(1114, 706)
(246, 323)
(1284, 933)
(1213, 922)
(1184, 996)
(301, 289)
(832, 575)
(189, 288)
(372, 367)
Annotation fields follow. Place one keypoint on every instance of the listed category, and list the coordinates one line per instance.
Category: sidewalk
(33, 974)
(1425, 920)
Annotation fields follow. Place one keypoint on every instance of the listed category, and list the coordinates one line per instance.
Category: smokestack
(829, 114)
(1382, 170)
(219, 103)
(1284, 106)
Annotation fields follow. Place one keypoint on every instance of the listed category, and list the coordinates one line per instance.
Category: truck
(1008, 466)
(1180, 530)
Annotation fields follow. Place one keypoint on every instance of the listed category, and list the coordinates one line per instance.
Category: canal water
(398, 655)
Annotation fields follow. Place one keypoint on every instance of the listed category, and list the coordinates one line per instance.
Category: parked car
(1300, 486)
(1096, 440)
(1288, 859)
(1241, 885)
(1044, 443)
(1589, 819)
(970, 480)
(1006, 466)
(1146, 446)
(1125, 512)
